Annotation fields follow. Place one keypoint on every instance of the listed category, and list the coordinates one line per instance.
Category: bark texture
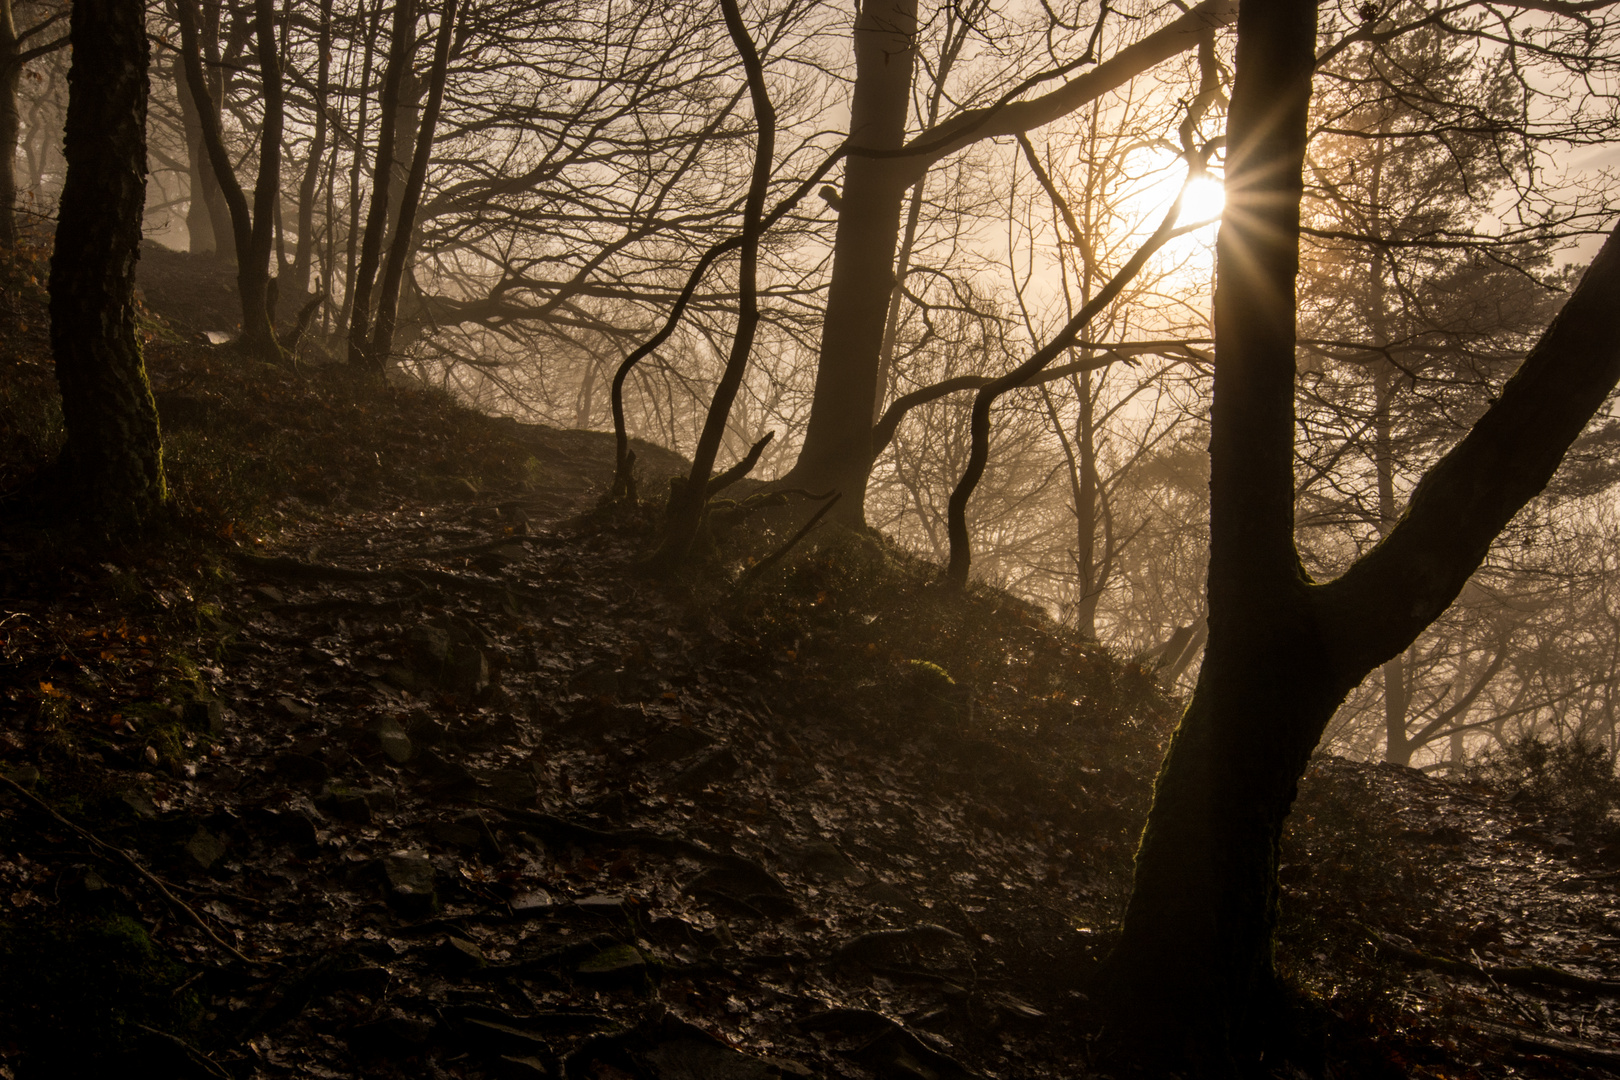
(113, 461)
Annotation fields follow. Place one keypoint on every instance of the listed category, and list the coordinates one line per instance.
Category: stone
(205, 848)
(410, 879)
(459, 956)
(140, 803)
(529, 903)
(395, 744)
(615, 965)
(603, 904)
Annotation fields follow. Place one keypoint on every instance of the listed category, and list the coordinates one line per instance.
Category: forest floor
(387, 761)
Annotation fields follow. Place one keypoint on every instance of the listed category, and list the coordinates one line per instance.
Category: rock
(139, 802)
(399, 677)
(449, 659)
(603, 904)
(395, 744)
(459, 956)
(410, 883)
(616, 965)
(205, 848)
(294, 708)
(528, 903)
(426, 648)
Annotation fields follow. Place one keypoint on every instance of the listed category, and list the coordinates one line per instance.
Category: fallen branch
(1532, 975)
(1573, 1049)
(156, 882)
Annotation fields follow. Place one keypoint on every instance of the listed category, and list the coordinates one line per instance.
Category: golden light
(1202, 201)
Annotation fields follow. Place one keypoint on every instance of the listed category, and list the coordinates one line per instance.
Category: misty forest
(593, 539)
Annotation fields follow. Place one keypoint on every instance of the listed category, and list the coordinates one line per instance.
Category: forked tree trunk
(113, 460)
(1191, 980)
(400, 49)
(253, 228)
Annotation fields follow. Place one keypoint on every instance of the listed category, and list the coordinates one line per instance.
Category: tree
(1191, 978)
(113, 458)
(883, 164)
(15, 53)
(252, 227)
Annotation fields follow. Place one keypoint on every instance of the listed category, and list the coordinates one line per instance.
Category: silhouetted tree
(1192, 976)
(113, 458)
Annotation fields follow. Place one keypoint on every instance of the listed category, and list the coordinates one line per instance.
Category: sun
(1201, 201)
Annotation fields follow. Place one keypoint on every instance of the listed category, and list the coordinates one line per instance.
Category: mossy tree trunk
(113, 459)
(1192, 980)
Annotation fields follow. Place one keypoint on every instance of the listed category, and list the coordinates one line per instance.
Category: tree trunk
(253, 228)
(361, 285)
(837, 452)
(208, 217)
(838, 441)
(113, 459)
(10, 123)
(410, 196)
(304, 252)
(1191, 979)
(1192, 974)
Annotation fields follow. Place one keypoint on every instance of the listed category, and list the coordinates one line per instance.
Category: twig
(156, 882)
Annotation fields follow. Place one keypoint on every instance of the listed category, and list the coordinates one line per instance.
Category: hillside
(387, 761)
